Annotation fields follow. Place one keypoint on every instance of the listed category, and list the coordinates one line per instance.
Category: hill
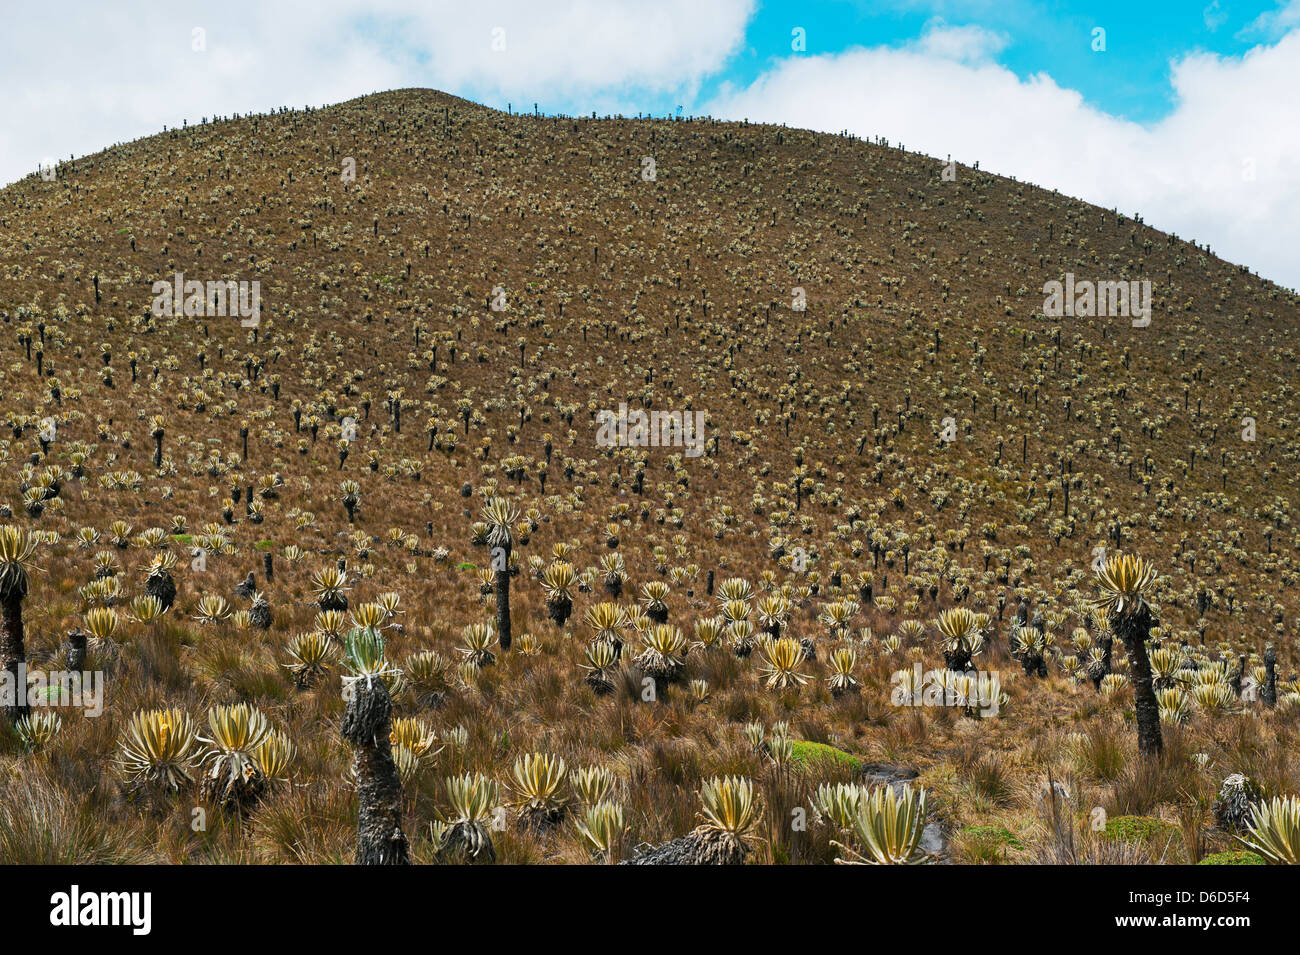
(453, 300)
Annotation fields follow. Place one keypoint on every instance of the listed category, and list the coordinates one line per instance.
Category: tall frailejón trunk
(1133, 630)
(501, 563)
(1268, 692)
(13, 652)
(367, 723)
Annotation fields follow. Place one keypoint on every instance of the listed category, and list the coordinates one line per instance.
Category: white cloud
(964, 43)
(1214, 16)
(1187, 174)
(81, 77)
(1273, 23)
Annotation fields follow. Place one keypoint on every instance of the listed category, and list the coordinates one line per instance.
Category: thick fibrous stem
(76, 654)
(559, 608)
(501, 561)
(13, 652)
(1268, 693)
(366, 725)
(957, 659)
(1133, 628)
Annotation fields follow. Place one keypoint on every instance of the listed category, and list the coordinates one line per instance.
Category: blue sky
(1130, 79)
(1188, 116)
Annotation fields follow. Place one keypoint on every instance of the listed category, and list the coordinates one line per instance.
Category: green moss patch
(1139, 829)
(991, 837)
(813, 755)
(1233, 857)
(986, 845)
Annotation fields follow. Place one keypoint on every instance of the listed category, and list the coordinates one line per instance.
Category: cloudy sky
(1185, 112)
